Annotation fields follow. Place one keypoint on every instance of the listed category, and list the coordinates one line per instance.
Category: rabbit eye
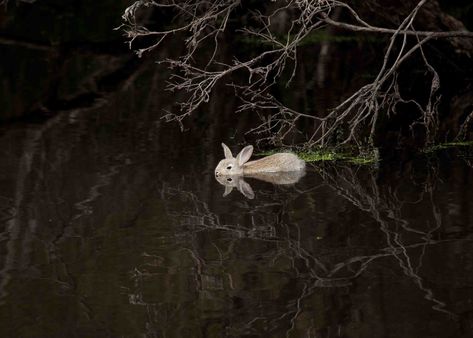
(229, 167)
(229, 179)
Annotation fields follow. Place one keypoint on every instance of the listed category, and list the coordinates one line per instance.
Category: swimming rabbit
(239, 165)
(237, 182)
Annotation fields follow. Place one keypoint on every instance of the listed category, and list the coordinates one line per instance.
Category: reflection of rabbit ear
(246, 189)
(244, 155)
(228, 190)
(227, 152)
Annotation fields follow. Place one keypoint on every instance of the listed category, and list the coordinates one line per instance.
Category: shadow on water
(114, 225)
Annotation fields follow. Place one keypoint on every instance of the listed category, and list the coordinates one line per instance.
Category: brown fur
(274, 163)
(240, 165)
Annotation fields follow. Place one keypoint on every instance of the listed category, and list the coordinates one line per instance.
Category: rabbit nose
(217, 173)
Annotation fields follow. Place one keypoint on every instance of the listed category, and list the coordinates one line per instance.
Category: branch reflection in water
(146, 242)
(280, 246)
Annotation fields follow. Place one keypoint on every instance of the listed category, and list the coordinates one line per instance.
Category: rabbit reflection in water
(280, 168)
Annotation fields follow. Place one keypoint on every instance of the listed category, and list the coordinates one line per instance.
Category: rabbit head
(230, 182)
(233, 165)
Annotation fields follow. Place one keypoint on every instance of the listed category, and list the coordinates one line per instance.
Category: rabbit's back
(274, 163)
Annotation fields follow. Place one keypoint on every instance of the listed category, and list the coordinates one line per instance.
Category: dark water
(112, 225)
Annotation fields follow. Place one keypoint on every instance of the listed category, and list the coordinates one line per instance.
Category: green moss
(324, 155)
(318, 155)
(447, 145)
(362, 159)
(331, 155)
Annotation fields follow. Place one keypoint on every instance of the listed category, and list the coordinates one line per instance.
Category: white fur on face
(228, 167)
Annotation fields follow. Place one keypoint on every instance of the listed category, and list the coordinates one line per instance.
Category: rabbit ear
(228, 190)
(246, 189)
(244, 155)
(227, 152)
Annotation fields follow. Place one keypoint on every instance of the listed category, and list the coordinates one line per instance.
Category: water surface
(112, 224)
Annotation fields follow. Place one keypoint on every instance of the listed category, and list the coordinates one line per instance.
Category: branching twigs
(386, 210)
(212, 264)
(363, 26)
(465, 125)
(202, 19)
(370, 100)
(355, 119)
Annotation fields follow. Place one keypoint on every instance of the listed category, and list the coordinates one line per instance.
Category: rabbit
(230, 182)
(280, 177)
(239, 165)
(238, 182)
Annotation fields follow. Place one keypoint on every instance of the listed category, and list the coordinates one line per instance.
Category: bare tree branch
(199, 23)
